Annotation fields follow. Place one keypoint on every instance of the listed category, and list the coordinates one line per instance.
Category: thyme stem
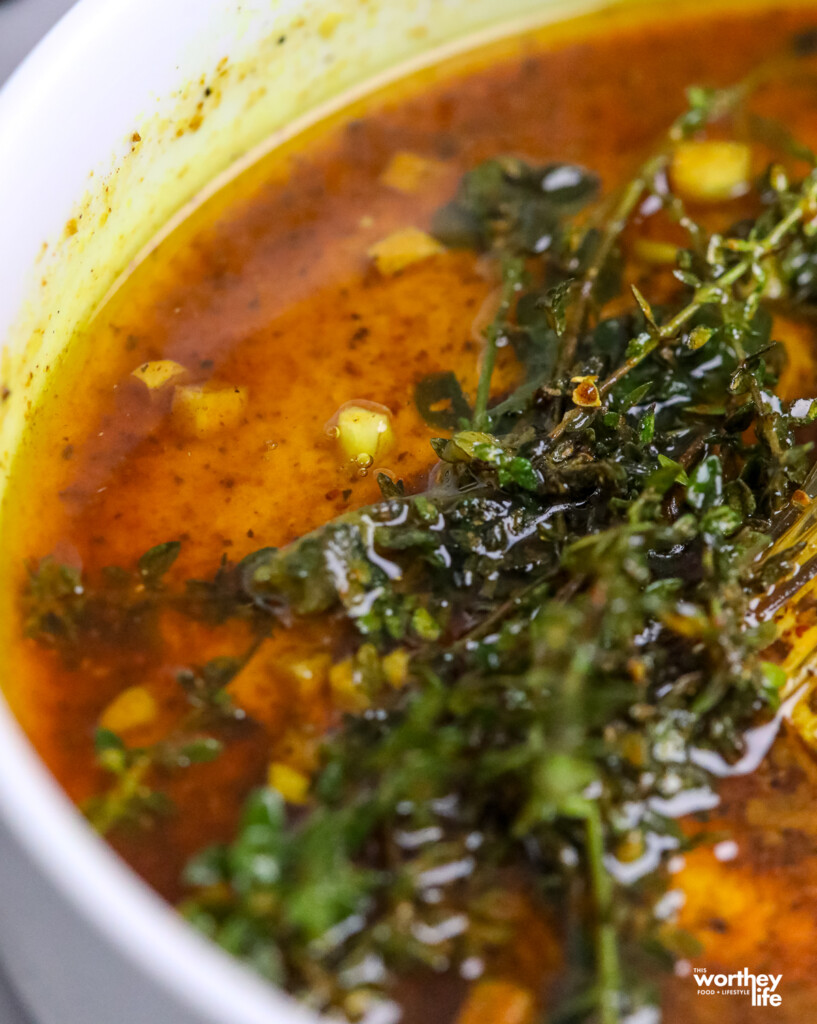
(705, 294)
(485, 375)
(722, 103)
(513, 271)
(608, 967)
(118, 800)
(615, 226)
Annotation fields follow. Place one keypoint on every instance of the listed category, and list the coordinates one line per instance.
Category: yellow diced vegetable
(132, 709)
(711, 171)
(365, 432)
(395, 667)
(403, 248)
(657, 253)
(804, 720)
(797, 337)
(158, 373)
(202, 411)
(290, 783)
(410, 172)
(497, 1002)
(347, 687)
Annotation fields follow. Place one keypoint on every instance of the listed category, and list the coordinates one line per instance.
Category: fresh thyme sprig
(706, 106)
(715, 291)
(513, 272)
(132, 797)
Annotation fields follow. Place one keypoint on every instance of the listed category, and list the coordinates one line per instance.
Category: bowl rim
(120, 907)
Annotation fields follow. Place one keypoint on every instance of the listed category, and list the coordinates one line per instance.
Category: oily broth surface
(268, 286)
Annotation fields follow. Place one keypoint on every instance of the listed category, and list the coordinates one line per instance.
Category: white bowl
(83, 939)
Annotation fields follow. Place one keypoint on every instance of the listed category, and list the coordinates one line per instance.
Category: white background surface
(10, 1012)
(22, 23)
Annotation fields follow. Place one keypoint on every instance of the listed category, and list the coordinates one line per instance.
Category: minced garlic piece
(203, 411)
(290, 783)
(132, 709)
(402, 248)
(158, 373)
(711, 171)
(364, 432)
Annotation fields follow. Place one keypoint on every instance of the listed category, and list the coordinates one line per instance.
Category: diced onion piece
(132, 709)
(711, 171)
(202, 411)
(158, 373)
(364, 432)
(497, 1002)
(290, 783)
(403, 248)
(410, 173)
